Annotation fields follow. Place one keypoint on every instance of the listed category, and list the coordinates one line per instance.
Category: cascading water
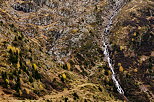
(116, 8)
(106, 53)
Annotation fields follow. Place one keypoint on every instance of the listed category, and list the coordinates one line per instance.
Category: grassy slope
(28, 72)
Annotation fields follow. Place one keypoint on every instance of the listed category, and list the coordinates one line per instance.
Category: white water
(116, 9)
(106, 53)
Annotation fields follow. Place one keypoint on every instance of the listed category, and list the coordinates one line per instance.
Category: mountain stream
(116, 9)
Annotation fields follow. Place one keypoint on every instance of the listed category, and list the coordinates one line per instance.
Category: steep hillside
(132, 39)
(51, 50)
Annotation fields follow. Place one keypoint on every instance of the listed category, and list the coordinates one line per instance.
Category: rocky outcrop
(25, 7)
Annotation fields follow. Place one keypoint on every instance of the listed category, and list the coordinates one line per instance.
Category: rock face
(54, 47)
(25, 7)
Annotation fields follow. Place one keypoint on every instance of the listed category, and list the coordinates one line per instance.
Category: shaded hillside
(132, 40)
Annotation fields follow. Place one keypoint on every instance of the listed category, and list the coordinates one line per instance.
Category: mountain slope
(50, 50)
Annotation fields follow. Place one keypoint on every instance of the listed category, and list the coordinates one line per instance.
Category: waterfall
(116, 8)
(106, 53)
